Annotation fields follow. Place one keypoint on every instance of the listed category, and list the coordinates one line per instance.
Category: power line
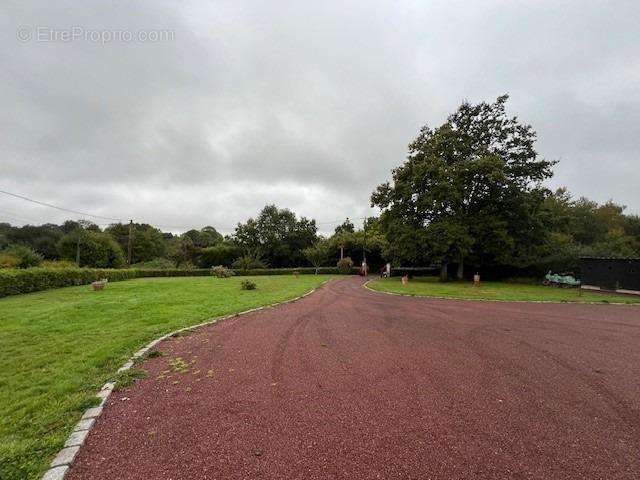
(59, 208)
(170, 227)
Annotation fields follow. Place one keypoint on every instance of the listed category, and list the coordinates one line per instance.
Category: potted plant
(99, 284)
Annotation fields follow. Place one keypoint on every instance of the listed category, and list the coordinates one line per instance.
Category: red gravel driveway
(352, 384)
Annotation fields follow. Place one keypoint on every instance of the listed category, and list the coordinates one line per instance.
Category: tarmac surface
(352, 384)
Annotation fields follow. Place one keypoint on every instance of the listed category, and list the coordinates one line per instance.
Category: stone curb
(366, 285)
(64, 459)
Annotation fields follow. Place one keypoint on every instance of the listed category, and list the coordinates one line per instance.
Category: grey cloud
(305, 105)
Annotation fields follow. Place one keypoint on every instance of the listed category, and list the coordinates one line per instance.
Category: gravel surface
(352, 384)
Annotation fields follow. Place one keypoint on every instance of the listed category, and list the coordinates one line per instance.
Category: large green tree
(369, 241)
(276, 237)
(97, 249)
(147, 242)
(470, 189)
(222, 254)
(205, 237)
(41, 238)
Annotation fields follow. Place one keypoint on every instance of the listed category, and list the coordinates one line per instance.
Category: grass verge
(58, 347)
(431, 287)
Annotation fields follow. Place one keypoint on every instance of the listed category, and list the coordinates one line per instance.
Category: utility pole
(129, 242)
(364, 243)
(364, 240)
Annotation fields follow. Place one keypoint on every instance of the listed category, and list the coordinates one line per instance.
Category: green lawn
(58, 347)
(431, 287)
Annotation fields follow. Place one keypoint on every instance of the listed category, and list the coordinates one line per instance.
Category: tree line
(469, 197)
(276, 238)
(471, 194)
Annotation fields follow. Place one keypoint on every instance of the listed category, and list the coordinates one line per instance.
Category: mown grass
(58, 347)
(431, 287)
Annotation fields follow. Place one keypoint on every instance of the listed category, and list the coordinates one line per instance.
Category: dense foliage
(19, 256)
(471, 192)
(276, 237)
(147, 242)
(471, 195)
(92, 249)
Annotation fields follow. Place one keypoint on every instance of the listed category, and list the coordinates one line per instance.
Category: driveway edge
(61, 463)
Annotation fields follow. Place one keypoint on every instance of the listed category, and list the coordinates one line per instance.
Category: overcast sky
(184, 114)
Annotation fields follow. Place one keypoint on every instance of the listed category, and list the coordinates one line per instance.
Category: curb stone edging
(557, 302)
(60, 465)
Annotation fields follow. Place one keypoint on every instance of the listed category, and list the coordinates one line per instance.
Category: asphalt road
(351, 384)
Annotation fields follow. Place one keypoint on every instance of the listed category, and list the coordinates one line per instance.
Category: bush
(248, 285)
(345, 265)
(223, 254)
(27, 257)
(58, 264)
(289, 271)
(9, 261)
(155, 264)
(247, 263)
(97, 249)
(221, 272)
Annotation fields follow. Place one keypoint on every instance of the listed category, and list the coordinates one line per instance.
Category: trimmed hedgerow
(17, 281)
(290, 271)
(13, 282)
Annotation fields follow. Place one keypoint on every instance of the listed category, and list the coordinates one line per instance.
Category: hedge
(289, 271)
(13, 282)
(17, 281)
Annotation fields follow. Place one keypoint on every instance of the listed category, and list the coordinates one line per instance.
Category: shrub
(289, 271)
(221, 272)
(155, 264)
(345, 265)
(248, 285)
(9, 261)
(97, 249)
(58, 264)
(247, 262)
(223, 254)
(26, 255)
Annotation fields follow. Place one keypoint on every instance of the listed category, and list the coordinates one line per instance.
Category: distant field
(431, 287)
(59, 346)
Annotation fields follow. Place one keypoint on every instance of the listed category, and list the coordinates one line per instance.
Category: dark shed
(611, 273)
